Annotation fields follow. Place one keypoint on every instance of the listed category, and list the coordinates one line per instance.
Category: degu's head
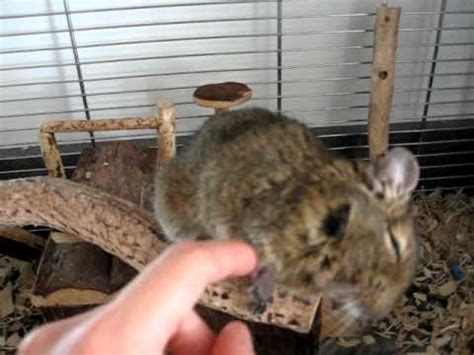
(365, 249)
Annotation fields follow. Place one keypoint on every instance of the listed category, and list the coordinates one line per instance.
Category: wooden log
(166, 132)
(63, 280)
(124, 229)
(119, 168)
(382, 78)
(91, 284)
(51, 155)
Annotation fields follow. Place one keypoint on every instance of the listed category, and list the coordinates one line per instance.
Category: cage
(312, 61)
(66, 60)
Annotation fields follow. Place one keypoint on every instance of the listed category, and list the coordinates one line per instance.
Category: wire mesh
(307, 59)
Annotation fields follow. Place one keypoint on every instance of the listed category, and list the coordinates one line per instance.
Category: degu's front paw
(263, 280)
(260, 308)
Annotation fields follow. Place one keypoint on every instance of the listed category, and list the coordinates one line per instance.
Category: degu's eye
(396, 239)
(335, 223)
(394, 245)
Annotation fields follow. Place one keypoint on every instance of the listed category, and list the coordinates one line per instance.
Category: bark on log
(125, 230)
(118, 168)
(93, 283)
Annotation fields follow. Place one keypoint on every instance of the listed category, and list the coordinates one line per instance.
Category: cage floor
(435, 316)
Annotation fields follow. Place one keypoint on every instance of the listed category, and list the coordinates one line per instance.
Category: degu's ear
(396, 174)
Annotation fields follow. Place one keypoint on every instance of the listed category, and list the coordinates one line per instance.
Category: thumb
(234, 339)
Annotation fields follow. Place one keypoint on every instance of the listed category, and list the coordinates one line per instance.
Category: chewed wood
(284, 311)
(124, 229)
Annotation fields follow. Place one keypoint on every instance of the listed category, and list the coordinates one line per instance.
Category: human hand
(154, 314)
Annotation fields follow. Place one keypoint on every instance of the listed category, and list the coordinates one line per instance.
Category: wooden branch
(125, 230)
(117, 226)
(110, 124)
(383, 72)
(20, 244)
(22, 236)
(166, 132)
(51, 156)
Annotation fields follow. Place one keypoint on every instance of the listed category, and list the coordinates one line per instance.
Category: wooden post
(166, 132)
(383, 70)
(51, 155)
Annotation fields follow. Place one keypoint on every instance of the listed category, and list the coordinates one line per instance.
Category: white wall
(19, 120)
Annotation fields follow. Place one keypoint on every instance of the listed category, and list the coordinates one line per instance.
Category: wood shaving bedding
(436, 315)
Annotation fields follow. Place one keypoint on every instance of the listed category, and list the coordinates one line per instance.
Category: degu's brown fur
(320, 223)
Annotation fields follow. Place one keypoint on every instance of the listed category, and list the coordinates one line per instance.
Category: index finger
(168, 289)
